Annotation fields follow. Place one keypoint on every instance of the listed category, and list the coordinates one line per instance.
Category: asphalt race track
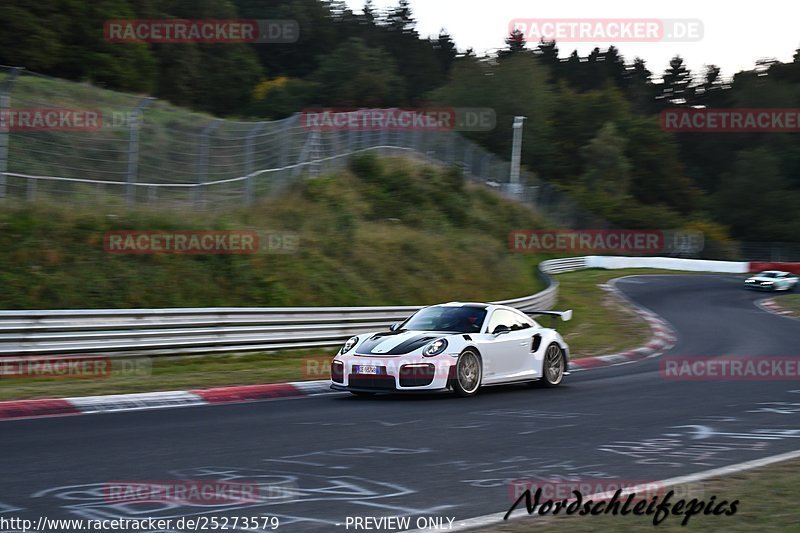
(434, 456)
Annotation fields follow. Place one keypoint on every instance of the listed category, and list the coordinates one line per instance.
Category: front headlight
(435, 348)
(767, 283)
(352, 341)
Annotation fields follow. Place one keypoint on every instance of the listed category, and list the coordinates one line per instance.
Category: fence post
(202, 160)
(311, 154)
(133, 148)
(351, 134)
(287, 125)
(516, 148)
(5, 100)
(248, 162)
(383, 139)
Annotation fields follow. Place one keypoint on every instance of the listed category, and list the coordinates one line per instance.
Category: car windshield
(768, 274)
(465, 319)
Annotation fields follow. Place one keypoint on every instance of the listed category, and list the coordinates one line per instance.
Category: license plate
(366, 369)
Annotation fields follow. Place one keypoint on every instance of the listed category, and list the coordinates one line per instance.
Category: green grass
(767, 503)
(790, 302)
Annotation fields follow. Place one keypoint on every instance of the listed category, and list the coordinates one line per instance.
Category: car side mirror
(499, 330)
(395, 326)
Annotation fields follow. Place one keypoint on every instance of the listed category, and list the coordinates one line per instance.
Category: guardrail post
(5, 102)
(202, 161)
(248, 162)
(133, 149)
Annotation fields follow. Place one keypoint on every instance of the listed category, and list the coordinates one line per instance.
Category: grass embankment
(767, 503)
(385, 233)
(790, 302)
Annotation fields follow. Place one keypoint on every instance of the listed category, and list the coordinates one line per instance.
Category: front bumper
(392, 374)
(757, 287)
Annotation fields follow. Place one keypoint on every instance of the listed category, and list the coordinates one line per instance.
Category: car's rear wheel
(469, 371)
(553, 366)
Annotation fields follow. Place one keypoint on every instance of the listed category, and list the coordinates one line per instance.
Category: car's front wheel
(469, 372)
(553, 366)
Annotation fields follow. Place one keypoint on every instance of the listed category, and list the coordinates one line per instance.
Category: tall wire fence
(145, 150)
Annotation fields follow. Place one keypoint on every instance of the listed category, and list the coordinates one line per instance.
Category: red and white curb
(771, 306)
(662, 340)
(159, 400)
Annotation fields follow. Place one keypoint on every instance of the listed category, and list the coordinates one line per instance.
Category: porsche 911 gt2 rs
(457, 346)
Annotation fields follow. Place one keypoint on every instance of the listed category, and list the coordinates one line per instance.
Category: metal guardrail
(122, 332)
(560, 266)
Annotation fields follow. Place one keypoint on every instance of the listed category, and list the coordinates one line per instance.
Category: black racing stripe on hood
(407, 346)
(376, 339)
(412, 344)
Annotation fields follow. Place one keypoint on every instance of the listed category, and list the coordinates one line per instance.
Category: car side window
(522, 322)
(501, 317)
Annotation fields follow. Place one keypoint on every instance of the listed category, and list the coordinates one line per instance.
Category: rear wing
(566, 316)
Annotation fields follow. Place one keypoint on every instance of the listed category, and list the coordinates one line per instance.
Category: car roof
(463, 304)
(487, 307)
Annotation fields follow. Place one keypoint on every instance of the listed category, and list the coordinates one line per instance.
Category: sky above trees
(737, 32)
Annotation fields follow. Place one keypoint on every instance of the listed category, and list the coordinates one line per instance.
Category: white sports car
(772, 280)
(458, 346)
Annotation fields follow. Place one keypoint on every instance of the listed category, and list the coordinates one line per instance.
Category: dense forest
(593, 122)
